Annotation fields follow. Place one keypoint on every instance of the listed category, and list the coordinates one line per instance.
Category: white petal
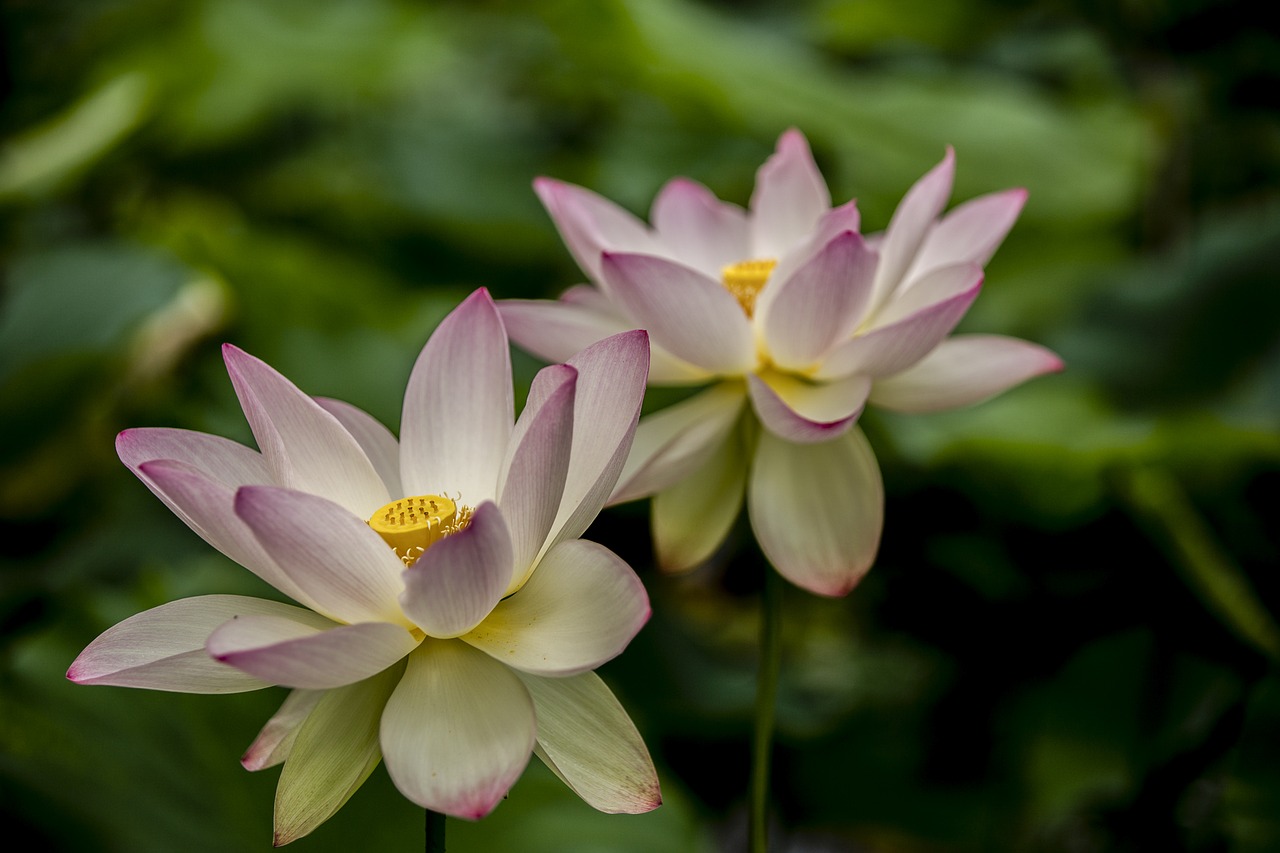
(458, 731)
(685, 312)
(532, 481)
(460, 578)
(817, 510)
(963, 370)
(789, 198)
(692, 518)
(163, 648)
(218, 458)
(611, 381)
(374, 439)
(799, 410)
(910, 326)
(910, 223)
(820, 304)
(275, 741)
(697, 229)
(579, 609)
(971, 233)
(587, 739)
(310, 653)
(672, 443)
(304, 446)
(208, 508)
(335, 750)
(334, 557)
(590, 224)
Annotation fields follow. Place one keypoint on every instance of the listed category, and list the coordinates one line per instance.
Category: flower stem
(766, 702)
(435, 832)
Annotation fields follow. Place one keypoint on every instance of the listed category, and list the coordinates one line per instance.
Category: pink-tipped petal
(820, 304)
(692, 518)
(304, 446)
(333, 556)
(374, 439)
(458, 730)
(611, 382)
(910, 326)
(460, 578)
(817, 510)
(964, 370)
(458, 408)
(969, 234)
(687, 313)
(910, 223)
(163, 648)
(335, 750)
(587, 739)
(311, 653)
(699, 230)
(275, 741)
(579, 609)
(538, 459)
(798, 410)
(218, 458)
(671, 444)
(833, 223)
(208, 508)
(789, 198)
(590, 224)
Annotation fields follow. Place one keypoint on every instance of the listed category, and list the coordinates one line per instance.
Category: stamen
(412, 525)
(745, 279)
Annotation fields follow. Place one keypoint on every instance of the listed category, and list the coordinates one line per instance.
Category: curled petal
(330, 554)
(308, 652)
(163, 648)
(692, 518)
(910, 223)
(789, 198)
(820, 304)
(698, 229)
(579, 609)
(672, 443)
(802, 411)
(587, 739)
(460, 578)
(817, 510)
(334, 751)
(590, 224)
(458, 408)
(964, 370)
(304, 446)
(275, 741)
(685, 312)
(458, 730)
(374, 439)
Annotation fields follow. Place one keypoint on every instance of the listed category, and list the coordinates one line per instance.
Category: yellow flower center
(412, 525)
(745, 279)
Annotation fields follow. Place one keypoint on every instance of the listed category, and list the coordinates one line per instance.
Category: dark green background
(1069, 640)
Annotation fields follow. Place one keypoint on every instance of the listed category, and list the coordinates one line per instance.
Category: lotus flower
(451, 617)
(794, 320)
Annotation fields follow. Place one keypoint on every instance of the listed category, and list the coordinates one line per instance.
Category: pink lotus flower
(450, 614)
(787, 306)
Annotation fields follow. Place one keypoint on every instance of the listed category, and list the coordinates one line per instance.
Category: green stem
(766, 707)
(435, 832)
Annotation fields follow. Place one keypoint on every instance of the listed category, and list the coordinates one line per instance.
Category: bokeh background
(1069, 642)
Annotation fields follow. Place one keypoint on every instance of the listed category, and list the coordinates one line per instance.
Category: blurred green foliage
(1069, 642)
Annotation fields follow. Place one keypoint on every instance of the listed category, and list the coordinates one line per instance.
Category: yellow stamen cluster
(412, 525)
(745, 279)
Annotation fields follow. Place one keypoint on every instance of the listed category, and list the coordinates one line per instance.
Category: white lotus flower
(451, 617)
(787, 306)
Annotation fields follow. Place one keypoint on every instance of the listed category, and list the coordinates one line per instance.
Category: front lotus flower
(450, 614)
(796, 321)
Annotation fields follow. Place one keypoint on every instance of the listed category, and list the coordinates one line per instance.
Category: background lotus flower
(785, 305)
(451, 616)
